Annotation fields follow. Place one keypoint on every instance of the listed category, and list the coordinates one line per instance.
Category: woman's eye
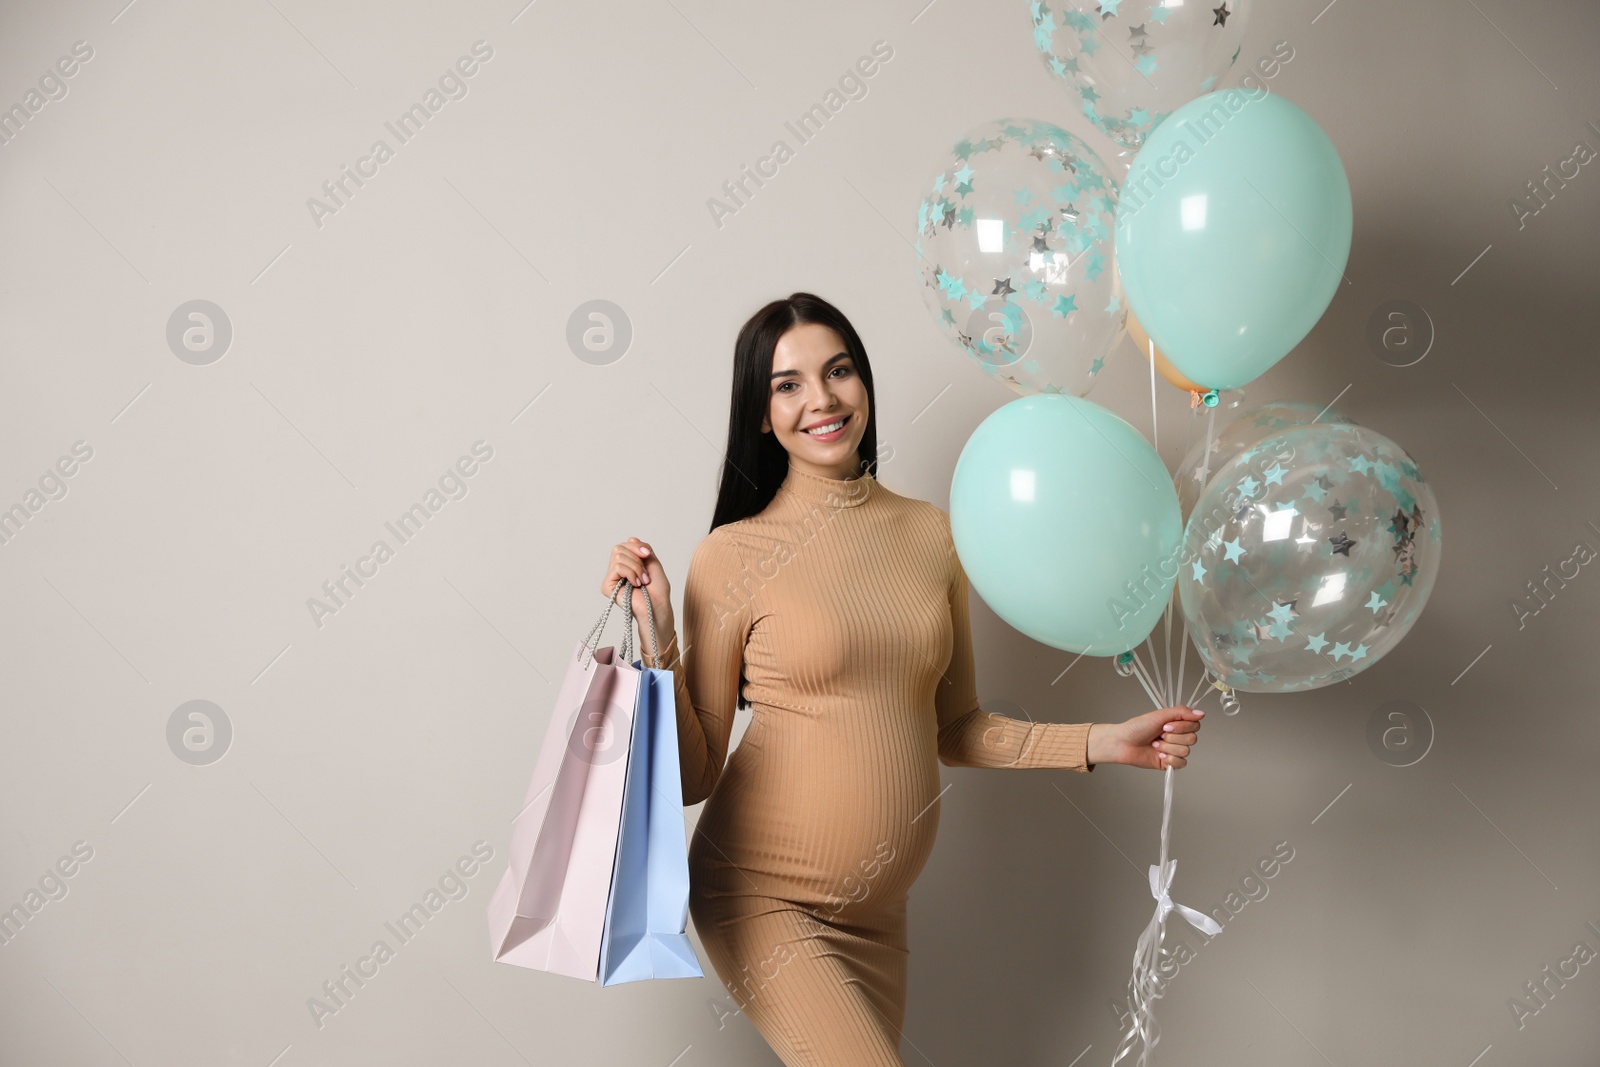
(784, 386)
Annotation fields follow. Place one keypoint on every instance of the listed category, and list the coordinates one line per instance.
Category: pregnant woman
(837, 609)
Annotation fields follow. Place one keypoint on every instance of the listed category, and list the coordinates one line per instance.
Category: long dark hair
(756, 463)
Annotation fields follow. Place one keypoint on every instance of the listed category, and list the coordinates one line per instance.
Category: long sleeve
(972, 737)
(717, 617)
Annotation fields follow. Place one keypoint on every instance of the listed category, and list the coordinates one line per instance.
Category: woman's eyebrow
(831, 361)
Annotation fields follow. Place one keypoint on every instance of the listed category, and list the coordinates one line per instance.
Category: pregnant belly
(819, 820)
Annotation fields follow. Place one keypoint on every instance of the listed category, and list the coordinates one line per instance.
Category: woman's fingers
(1179, 734)
(635, 563)
(1182, 731)
(1173, 748)
(626, 564)
(638, 570)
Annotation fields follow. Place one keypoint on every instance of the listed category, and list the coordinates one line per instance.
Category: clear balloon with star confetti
(1310, 571)
(1243, 430)
(1014, 245)
(1131, 63)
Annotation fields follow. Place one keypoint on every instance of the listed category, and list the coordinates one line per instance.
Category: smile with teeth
(830, 429)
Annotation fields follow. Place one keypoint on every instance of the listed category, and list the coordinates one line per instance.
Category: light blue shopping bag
(648, 910)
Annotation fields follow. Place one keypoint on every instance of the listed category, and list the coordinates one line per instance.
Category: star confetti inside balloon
(1014, 252)
(1131, 63)
(1233, 438)
(1310, 571)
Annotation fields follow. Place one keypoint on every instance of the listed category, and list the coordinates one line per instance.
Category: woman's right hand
(637, 562)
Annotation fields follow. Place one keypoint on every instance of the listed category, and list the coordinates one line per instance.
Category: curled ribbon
(1145, 984)
(1230, 701)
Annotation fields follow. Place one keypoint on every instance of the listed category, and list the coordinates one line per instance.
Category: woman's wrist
(1097, 746)
(667, 631)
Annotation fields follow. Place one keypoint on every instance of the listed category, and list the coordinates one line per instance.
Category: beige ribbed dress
(843, 606)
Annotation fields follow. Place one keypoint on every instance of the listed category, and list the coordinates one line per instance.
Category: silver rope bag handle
(589, 641)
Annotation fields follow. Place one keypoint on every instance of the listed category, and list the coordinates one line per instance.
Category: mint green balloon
(1233, 229)
(1067, 524)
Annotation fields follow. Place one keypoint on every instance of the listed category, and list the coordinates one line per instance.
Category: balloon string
(1143, 676)
(1183, 629)
(1155, 428)
(1166, 646)
(1205, 457)
(1136, 669)
(1188, 435)
(1155, 686)
(1144, 985)
(1154, 669)
(1229, 697)
(1183, 656)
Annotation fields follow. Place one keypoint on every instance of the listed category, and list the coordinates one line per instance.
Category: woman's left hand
(1155, 740)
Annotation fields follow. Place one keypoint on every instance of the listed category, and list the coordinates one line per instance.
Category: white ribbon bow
(1160, 888)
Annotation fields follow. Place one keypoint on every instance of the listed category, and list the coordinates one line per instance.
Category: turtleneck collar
(832, 492)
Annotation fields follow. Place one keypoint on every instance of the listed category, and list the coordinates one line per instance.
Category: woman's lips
(834, 436)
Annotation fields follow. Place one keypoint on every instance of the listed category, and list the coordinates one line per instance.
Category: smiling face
(815, 384)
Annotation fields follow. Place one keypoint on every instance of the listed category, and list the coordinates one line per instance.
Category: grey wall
(371, 750)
